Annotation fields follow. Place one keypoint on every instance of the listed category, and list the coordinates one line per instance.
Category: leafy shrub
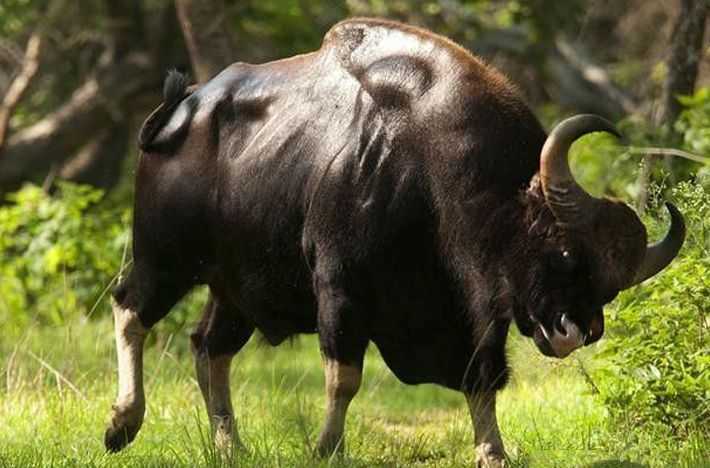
(654, 367)
(694, 122)
(59, 253)
(656, 358)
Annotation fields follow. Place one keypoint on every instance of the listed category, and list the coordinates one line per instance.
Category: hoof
(123, 428)
(116, 438)
(225, 439)
(488, 456)
(329, 445)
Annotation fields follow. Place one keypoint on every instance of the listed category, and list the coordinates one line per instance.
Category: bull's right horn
(660, 254)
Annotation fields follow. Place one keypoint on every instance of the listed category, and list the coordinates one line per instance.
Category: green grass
(58, 385)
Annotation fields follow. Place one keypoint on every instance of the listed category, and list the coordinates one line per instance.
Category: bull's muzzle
(566, 340)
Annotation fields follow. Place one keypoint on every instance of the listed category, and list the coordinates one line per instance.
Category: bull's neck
(489, 247)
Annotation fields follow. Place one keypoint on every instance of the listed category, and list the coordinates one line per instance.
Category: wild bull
(389, 187)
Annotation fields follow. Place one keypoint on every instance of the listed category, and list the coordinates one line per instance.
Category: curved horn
(660, 254)
(569, 202)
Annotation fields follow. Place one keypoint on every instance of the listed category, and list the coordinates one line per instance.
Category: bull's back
(443, 100)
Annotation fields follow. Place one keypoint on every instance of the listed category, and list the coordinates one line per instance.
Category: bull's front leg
(342, 382)
(489, 446)
(343, 342)
(129, 408)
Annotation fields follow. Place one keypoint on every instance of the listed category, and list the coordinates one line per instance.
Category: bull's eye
(564, 261)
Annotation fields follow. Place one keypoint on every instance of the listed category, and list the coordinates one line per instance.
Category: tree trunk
(683, 61)
(126, 26)
(204, 26)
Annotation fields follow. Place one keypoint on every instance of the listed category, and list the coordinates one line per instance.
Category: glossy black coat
(380, 189)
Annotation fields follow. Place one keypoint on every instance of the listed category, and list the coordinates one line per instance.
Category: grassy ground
(59, 384)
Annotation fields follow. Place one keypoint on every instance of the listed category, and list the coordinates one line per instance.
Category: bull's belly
(439, 360)
(279, 325)
(421, 341)
(279, 311)
(278, 330)
(279, 302)
(279, 316)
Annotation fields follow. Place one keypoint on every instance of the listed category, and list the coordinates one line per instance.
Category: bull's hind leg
(343, 343)
(219, 336)
(139, 302)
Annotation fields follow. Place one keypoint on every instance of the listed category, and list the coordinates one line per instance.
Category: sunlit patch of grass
(58, 384)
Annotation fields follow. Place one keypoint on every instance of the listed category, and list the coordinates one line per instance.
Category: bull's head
(591, 248)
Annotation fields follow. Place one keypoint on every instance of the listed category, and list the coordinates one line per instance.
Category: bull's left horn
(569, 202)
(660, 254)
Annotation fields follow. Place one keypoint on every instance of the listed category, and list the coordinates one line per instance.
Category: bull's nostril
(569, 339)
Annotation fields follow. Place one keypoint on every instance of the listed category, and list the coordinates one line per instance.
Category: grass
(59, 384)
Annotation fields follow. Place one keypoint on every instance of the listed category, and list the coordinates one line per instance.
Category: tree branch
(575, 81)
(30, 64)
(113, 92)
(588, 84)
(99, 162)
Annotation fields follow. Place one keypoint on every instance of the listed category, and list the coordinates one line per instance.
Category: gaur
(388, 188)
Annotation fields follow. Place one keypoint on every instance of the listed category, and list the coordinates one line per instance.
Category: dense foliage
(655, 363)
(59, 253)
(694, 123)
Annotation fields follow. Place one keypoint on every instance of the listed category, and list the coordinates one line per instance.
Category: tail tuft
(174, 88)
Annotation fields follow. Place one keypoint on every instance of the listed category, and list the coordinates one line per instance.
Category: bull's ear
(168, 124)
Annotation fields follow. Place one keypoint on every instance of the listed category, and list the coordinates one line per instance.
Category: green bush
(655, 361)
(59, 253)
(694, 122)
(657, 355)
